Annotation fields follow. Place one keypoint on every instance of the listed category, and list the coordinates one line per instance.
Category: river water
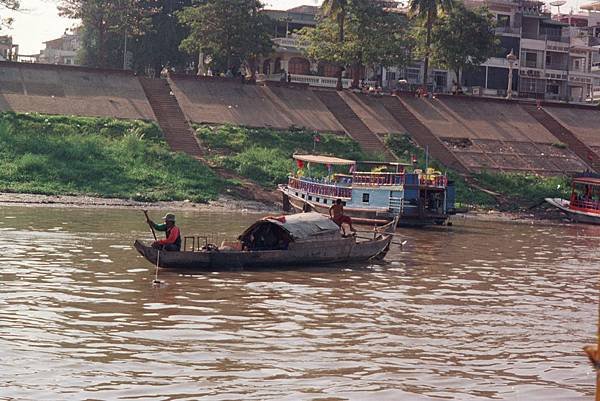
(475, 311)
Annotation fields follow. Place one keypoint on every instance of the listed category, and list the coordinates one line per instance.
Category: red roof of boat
(587, 180)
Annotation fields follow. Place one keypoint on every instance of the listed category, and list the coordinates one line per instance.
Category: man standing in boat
(172, 242)
(336, 212)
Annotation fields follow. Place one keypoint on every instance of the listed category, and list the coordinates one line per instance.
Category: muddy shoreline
(541, 215)
(222, 204)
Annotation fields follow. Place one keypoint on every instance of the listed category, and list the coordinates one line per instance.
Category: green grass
(265, 155)
(98, 157)
(521, 190)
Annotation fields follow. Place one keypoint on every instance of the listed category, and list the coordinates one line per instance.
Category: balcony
(546, 37)
(507, 29)
(315, 80)
(289, 42)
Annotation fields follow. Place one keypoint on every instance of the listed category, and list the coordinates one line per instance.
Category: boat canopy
(290, 228)
(587, 180)
(591, 6)
(324, 160)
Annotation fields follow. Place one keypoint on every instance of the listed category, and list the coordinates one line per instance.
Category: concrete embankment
(51, 89)
(471, 134)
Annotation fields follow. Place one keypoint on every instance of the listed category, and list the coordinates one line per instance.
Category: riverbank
(221, 204)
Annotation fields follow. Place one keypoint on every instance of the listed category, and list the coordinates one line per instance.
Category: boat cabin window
(302, 196)
(365, 198)
(318, 199)
(309, 197)
(325, 201)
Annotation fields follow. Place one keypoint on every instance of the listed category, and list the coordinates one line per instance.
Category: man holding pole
(172, 241)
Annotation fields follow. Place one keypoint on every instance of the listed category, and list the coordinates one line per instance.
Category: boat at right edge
(584, 203)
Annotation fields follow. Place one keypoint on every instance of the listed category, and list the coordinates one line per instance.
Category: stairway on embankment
(563, 134)
(353, 125)
(178, 133)
(421, 134)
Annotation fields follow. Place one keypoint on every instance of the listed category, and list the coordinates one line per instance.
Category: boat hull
(307, 253)
(575, 215)
(366, 216)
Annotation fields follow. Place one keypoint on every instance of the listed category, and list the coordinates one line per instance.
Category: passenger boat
(375, 196)
(304, 239)
(584, 204)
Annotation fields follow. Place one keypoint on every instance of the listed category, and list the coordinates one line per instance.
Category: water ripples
(474, 312)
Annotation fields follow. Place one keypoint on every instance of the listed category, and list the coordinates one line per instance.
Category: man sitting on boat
(336, 212)
(172, 241)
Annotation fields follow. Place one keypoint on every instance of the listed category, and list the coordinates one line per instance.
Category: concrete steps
(563, 134)
(353, 125)
(178, 133)
(421, 134)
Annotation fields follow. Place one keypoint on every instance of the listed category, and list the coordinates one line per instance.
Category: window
(309, 197)
(391, 75)
(302, 196)
(318, 199)
(413, 75)
(365, 198)
(503, 21)
(325, 201)
(440, 78)
(530, 59)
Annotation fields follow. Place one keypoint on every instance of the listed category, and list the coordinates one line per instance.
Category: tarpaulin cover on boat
(298, 226)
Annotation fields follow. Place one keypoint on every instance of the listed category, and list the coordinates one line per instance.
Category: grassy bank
(99, 157)
(265, 155)
(518, 191)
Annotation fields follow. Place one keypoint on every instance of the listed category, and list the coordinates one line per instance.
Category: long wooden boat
(584, 204)
(304, 239)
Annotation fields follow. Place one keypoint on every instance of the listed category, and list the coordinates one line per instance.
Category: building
(557, 57)
(288, 55)
(62, 50)
(8, 50)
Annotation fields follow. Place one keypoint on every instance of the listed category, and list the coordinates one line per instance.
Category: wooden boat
(375, 196)
(305, 239)
(584, 204)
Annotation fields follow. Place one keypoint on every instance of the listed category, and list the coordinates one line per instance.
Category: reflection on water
(476, 311)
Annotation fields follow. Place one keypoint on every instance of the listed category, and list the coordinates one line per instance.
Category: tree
(9, 5)
(372, 36)
(158, 44)
(428, 12)
(336, 10)
(229, 32)
(464, 38)
(105, 25)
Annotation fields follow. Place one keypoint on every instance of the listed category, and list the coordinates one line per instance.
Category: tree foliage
(464, 38)
(426, 12)
(372, 36)
(152, 30)
(105, 25)
(229, 32)
(158, 45)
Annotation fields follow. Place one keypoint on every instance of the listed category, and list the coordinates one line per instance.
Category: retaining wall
(79, 91)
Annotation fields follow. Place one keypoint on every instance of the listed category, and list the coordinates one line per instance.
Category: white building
(62, 50)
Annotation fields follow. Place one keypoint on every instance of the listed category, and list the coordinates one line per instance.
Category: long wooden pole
(150, 225)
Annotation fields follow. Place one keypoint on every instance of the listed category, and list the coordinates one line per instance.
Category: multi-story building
(557, 58)
(62, 50)
(288, 55)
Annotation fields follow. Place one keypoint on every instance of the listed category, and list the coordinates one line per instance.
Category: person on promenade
(336, 212)
(172, 241)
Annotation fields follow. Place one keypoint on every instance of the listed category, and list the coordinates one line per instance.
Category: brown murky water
(476, 311)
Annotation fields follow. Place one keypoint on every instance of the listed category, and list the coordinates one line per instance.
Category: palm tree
(429, 10)
(336, 9)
